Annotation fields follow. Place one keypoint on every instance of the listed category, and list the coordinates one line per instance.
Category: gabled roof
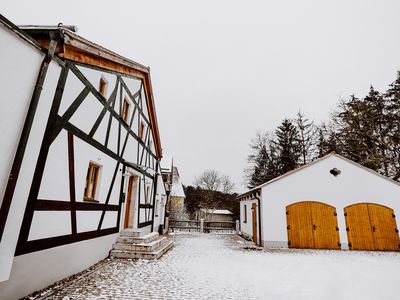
(76, 48)
(332, 154)
(177, 187)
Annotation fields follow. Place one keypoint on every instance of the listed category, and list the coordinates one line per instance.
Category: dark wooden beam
(58, 205)
(39, 169)
(37, 245)
(71, 167)
(23, 141)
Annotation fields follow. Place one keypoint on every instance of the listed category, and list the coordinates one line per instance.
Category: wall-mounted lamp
(335, 172)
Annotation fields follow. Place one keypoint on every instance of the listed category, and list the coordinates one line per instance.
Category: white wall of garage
(247, 227)
(314, 182)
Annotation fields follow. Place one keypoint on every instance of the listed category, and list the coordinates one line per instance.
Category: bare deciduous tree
(227, 185)
(211, 180)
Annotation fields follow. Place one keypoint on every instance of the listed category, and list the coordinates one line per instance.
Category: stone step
(143, 247)
(138, 240)
(139, 232)
(143, 255)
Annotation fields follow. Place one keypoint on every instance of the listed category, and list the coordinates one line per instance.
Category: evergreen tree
(361, 127)
(327, 141)
(265, 168)
(307, 133)
(287, 146)
(392, 96)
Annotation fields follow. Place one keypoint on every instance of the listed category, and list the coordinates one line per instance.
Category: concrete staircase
(139, 243)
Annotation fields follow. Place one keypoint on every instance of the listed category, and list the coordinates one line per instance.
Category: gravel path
(207, 266)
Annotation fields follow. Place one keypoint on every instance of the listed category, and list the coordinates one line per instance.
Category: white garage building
(331, 203)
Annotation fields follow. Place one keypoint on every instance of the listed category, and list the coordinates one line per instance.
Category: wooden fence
(202, 226)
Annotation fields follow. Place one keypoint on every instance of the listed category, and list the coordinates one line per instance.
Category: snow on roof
(177, 188)
(217, 211)
(332, 154)
(166, 163)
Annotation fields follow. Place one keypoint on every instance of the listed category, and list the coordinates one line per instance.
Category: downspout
(154, 197)
(168, 193)
(259, 217)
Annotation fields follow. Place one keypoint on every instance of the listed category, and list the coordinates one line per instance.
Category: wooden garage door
(312, 225)
(371, 227)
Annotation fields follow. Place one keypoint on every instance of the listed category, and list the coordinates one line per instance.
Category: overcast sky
(222, 70)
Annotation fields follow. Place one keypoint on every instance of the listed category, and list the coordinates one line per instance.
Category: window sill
(90, 200)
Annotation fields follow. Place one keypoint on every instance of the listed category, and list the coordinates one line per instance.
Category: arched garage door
(312, 225)
(371, 227)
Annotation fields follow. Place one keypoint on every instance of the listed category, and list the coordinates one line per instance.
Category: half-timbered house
(79, 155)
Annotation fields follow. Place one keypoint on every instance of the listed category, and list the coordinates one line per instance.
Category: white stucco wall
(247, 227)
(20, 63)
(315, 183)
(37, 270)
(17, 85)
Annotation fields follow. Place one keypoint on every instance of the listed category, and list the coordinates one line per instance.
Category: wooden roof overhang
(252, 194)
(76, 48)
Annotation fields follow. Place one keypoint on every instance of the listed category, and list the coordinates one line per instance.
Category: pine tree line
(365, 130)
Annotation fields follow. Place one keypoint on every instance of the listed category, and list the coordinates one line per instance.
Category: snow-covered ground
(207, 266)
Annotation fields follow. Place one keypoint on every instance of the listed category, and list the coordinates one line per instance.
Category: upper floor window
(125, 110)
(92, 182)
(245, 214)
(103, 86)
(141, 130)
(147, 195)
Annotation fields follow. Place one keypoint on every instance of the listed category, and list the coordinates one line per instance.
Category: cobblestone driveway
(220, 267)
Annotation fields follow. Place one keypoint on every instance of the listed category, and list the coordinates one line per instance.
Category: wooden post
(237, 226)
(201, 225)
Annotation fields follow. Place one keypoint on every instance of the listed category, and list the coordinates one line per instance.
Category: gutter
(154, 195)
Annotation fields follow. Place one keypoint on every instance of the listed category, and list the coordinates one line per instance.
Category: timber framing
(70, 52)
(75, 48)
(55, 126)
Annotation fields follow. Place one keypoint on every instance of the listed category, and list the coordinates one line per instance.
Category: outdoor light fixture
(126, 176)
(335, 172)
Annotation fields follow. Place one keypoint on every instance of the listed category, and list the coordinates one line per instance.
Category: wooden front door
(254, 221)
(312, 225)
(128, 221)
(371, 227)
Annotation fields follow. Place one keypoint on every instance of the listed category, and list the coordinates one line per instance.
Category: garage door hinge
(337, 228)
(339, 244)
(350, 245)
(289, 243)
(345, 214)
(397, 231)
(393, 215)
(334, 213)
(288, 227)
(347, 228)
(287, 212)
